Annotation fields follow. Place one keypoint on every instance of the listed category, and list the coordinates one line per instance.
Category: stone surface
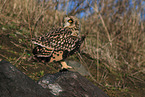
(70, 84)
(13, 83)
(78, 67)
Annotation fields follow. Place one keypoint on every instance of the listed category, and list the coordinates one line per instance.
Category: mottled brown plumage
(59, 43)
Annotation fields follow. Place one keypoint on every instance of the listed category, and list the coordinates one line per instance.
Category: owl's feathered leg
(64, 65)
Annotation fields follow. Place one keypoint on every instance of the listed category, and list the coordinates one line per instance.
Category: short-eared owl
(59, 43)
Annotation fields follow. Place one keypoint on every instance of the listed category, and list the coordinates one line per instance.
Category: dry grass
(115, 42)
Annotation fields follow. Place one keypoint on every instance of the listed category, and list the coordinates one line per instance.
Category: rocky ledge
(13, 83)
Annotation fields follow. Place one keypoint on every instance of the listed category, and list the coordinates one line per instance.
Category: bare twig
(17, 45)
(20, 57)
(3, 5)
(97, 11)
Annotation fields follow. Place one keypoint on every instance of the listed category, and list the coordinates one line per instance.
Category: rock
(13, 83)
(78, 67)
(70, 84)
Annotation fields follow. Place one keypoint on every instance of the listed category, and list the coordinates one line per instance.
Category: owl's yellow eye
(70, 21)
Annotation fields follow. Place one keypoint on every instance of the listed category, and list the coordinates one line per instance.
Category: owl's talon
(64, 65)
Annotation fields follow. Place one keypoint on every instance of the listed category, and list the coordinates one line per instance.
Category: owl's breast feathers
(56, 45)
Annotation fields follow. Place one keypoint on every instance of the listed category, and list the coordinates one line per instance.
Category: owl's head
(71, 22)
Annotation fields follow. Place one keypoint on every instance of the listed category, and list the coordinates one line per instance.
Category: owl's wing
(42, 50)
(54, 40)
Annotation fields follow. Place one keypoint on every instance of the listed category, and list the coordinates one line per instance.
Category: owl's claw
(64, 65)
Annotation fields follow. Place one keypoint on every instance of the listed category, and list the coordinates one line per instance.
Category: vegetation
(114, 49)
